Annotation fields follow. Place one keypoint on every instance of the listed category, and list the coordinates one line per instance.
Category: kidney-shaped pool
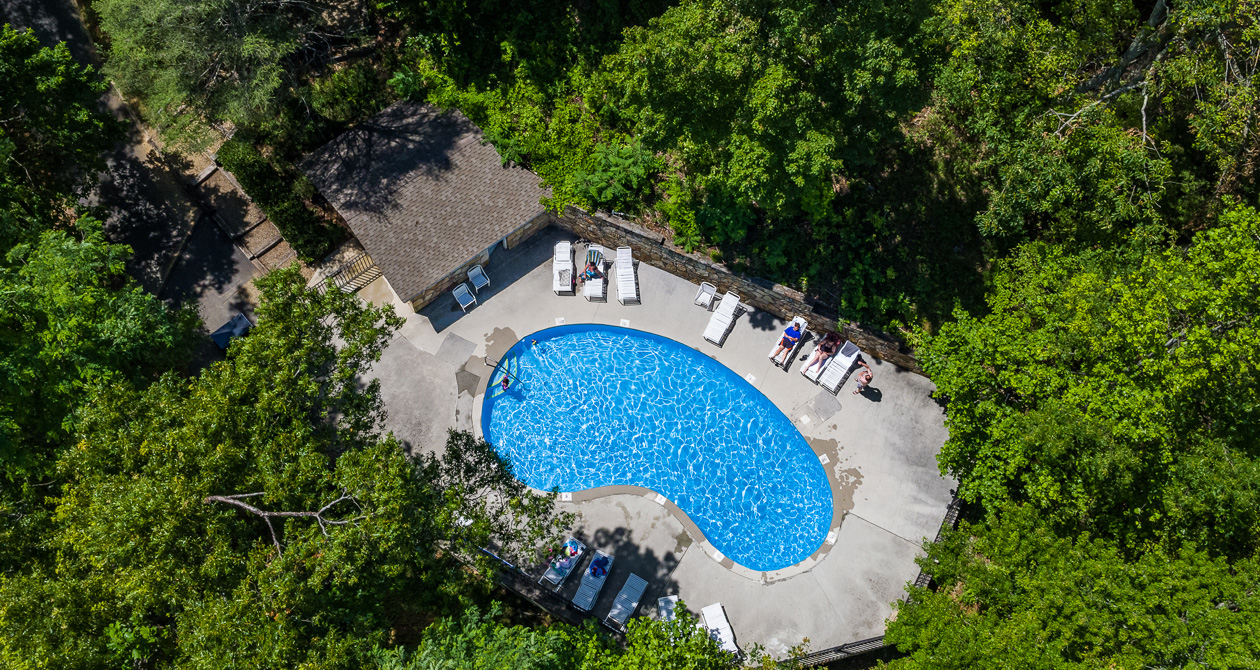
(591, 405)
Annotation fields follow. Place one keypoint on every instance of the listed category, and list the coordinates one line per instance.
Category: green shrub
(349, 94)
(277, 197)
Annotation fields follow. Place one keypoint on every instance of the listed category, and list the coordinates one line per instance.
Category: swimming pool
(598, 405)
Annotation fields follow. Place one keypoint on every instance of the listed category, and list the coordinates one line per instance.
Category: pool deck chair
(704, 297)
(719, 628)
(558, 570)
(596, 289)
(626, 603)
(627, 284)
(464, 296)
(591, 585)
(722, 319)
(802, 325)
(562, 268)
(478, 277)
(835, 374)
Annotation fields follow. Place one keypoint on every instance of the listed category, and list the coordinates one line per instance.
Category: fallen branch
(237, 500)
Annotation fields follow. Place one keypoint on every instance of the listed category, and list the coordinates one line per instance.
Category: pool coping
(693, 531)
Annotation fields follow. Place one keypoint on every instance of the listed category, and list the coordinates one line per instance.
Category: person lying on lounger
(826, 349)
(786, 343)
(591, 272)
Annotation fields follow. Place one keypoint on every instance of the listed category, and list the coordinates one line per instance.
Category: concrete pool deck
(878, 448)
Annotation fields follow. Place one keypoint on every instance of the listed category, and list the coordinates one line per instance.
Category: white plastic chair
(723, 317)
(478, 277)
(627, 284)
(704, 297)
(562, 268)
(464, 296)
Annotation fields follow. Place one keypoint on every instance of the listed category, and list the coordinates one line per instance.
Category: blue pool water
(599, 405)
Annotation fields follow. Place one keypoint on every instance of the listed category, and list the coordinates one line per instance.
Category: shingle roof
(422, 192)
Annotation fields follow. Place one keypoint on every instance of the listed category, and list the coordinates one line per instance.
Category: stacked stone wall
(783, 302)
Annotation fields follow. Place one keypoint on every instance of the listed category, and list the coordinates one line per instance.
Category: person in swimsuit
(826, 349)
(786, 343)
(590, 272)
(864, 378)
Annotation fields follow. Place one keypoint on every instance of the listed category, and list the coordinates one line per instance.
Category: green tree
(52, 133)
(1013, 593)
(1116, 396)
(478, 640)
(255, 516)
(196, 61)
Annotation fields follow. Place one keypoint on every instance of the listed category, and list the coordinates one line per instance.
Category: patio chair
(815, 372)
(838, 371)
(626, 602)
(562, 268)
(592, 583)
(723, 317)
(478, 277)
(665, 608)
(627, 284)
(464, 296)
(558, 570)
(790, 354)
(596, 289)
(704, 297)
(719, 628)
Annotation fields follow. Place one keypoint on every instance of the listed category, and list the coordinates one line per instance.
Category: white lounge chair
(559, 569)
(719, 628)
(596, 289)
(478, 277)
(626, 602)
(627, 284)
(838, 370)
(591, 585)
(790, 354)
(464, 296)
(562, 268)
(704, 297)
(723, 317)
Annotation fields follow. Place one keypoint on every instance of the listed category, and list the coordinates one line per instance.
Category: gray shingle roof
(422, 192)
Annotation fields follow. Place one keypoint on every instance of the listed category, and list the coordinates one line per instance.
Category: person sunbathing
(826, 349)
(590, 272)
(786, 343)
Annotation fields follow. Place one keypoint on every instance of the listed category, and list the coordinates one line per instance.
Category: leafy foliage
(198, 61)
(478, 641)
(52, 132)
(1015, 594)
(1114, 396)
(255, 515)
(277, 196)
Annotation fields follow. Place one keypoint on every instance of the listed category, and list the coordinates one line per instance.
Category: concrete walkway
(879, 449)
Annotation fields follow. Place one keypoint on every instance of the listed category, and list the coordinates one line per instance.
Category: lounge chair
(596, 289)
(723, 317)
(801, 325)
(559, 569)
(626, 602)
(838, 370)
(464, 296)
(719, 627)
(478, 277)
(627, 284)
(562, 268)
(704, 297)
(665, 608)
(591, 585)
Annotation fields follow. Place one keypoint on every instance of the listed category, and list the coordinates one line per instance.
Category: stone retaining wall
(781, 301)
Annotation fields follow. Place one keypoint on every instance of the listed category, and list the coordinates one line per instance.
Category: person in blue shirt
(786, 343)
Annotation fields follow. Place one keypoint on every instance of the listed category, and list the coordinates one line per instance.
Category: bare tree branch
(236, 500)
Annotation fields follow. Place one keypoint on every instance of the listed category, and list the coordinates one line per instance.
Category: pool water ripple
(600, 405)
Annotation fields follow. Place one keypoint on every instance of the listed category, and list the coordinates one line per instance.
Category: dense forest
(1054, 204)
